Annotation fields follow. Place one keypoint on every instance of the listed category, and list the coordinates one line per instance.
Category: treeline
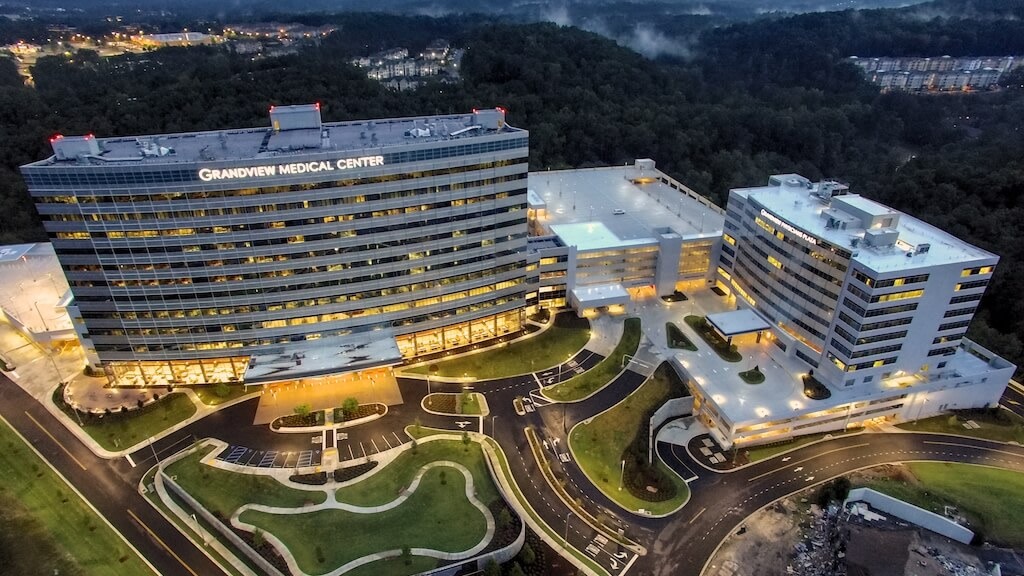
(769, 97)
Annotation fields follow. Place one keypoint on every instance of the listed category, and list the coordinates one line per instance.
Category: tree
(302, 409)
(350, 407)
(222, 390)
(492, 568)
(516, 570)
(406, 555)
(527, 554)
(504, 518)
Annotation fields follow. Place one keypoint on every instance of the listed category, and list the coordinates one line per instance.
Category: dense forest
(752, 99)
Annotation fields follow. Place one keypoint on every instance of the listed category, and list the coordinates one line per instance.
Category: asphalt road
(680, 544)
(109, 485)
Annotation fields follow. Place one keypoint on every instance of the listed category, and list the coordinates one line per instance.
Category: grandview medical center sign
(210, 174)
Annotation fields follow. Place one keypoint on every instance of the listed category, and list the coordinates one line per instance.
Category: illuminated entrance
(459, 335)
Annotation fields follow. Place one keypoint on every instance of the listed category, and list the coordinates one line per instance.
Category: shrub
(312, 479)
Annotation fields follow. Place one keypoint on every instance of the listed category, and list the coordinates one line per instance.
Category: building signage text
(788, 227)
(210, 174)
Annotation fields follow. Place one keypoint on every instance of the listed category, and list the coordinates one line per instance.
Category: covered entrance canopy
(737, 323)
(584, 297)
(333, 355)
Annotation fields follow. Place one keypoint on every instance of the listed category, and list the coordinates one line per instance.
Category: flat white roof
(324, 356)
(33, 288)
(595, 194)
(595, 235)
(742, 321)
(600, 295)
(794, 202)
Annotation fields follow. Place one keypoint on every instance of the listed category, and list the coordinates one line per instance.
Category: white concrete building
(870, 302)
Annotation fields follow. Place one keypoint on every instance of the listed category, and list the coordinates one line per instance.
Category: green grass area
(989, 498)
(592, 380)
(601, 445)
(218, 394)
(470, 403)
(222, 492)
(386, 485)
(395, 567)
(119, 430)
(676, 338)
(724, 350)
(437, 515)
(189, 529)
(1001, 425)
(47, 528)
(752, 376)
(563, 339)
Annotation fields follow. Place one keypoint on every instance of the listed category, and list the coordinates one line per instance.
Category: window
(868, 379)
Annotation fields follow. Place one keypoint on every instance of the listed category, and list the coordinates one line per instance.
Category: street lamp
(622, 474)
(566, 538)
(494, 426)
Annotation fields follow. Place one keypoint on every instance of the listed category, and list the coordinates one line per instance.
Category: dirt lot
(769, 543)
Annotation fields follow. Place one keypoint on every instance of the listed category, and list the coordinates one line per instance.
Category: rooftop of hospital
(295, 131)
(879, 237)
(619, 206)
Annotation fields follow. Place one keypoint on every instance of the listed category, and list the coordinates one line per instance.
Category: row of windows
(223, 344)
(976, 271)
(280, 225)
(150, 248)
(798, 277)
(165, 199)
(325, 257)
(215, 217)
(868, 339)
(71, 177)
(960, 312)
(965, 298)
(776, 281)
(864, 313)
(291, 290)
(219, 277)
(942, 351)
(742, 271)
(362, 313)
(871, 282)
(952, 325)
(972, 284)
(873, 325)
(950, 338)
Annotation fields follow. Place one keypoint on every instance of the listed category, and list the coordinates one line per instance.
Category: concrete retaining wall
(911, 513)
(225, 531)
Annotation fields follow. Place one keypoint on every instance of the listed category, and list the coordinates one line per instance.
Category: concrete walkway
(332, 504)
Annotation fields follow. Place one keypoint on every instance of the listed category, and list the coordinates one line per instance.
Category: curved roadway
(679, 544)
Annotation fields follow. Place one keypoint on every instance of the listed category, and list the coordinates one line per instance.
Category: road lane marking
(55, 441)
(694, 519)
(161, 543)
(972, 447)
(786, 467)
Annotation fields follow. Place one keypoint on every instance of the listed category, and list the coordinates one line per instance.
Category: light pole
(494, 426)
(153, 448)
(566, 538)
(41, 319)
(622, 474)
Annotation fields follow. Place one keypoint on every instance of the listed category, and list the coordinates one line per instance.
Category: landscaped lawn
(724, 350)
(386, 485)
(601, 445)
(394, 567)
(1004, 427)
(585, 384)
(549, 348)
(47, 528)
(676, 338)
(988, 497)
(752, 376)
(222, 492)
(436, 515)
(120, 430)
(221, 393)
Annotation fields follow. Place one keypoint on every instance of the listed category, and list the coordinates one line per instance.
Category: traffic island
(468, 403)
(752, 376)
(676, 338)
(814, 389)
(582, 386)
(725, 350)
(611, 449)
